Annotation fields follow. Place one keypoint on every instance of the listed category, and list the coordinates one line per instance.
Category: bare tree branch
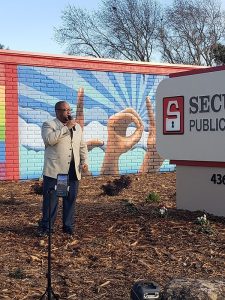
(190, 29)
(125, 29)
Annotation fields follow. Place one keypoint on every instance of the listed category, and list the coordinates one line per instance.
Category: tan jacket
(59, 148)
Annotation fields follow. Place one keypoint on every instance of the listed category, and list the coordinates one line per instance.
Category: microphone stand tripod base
(49, 294)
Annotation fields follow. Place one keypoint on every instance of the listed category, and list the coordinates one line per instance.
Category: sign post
(190, 119)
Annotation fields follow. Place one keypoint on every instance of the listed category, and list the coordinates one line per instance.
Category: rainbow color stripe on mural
(2, 114)
(2, 132)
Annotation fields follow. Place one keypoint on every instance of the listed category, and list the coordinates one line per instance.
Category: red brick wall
(11, 60)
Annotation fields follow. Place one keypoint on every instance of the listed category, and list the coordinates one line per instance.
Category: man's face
(63, 111)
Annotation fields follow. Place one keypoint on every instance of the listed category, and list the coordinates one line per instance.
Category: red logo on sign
(173, 115)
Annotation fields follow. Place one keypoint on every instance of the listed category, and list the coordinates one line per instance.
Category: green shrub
(17, 274)
(153, 197)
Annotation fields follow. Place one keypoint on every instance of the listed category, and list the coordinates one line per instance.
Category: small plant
(204, 224)
(153, 197)
(37, 188)
(163, 212)
(17, 274)
(115, 187)
(130, 207)
(202, 220)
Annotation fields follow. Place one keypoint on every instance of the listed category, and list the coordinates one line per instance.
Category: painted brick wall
(2, 122)
(119, 123)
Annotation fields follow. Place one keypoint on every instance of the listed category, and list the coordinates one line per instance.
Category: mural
(116, 111)
(2, 132)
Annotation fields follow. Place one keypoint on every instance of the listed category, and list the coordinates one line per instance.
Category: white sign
(190, 117)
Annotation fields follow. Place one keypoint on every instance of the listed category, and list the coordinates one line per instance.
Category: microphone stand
(49, 292)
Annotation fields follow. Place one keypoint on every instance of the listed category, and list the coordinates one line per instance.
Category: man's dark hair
(58, 104)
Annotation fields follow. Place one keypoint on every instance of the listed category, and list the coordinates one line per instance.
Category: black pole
(49, 246)
(49, 292)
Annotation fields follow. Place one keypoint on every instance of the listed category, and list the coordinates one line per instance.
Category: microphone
(71, 118)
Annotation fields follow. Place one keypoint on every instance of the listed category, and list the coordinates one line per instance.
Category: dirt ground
(119, 240)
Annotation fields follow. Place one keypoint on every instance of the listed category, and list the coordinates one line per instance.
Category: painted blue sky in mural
(106, 93)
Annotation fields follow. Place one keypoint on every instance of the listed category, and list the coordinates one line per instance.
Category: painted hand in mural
(152, 160)
(84, 168)
(118, 142)
(80, 107)
(117, 128)
(80, 119)
(94, 143)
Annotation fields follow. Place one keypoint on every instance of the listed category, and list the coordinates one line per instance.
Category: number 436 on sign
(218, 179)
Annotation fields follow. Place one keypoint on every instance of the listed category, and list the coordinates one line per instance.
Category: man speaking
(65, 153)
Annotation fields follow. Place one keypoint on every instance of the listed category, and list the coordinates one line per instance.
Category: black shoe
(40, 223)
(42, 232)
(68, 231)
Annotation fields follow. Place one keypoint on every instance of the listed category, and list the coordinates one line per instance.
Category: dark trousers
(49, 183)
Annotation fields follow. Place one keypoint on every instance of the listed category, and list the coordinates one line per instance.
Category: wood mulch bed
(119, 240)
